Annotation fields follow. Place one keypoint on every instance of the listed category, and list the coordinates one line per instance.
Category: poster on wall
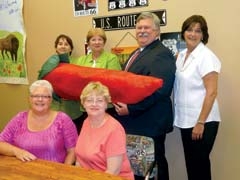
(123, 4)
(12, 43)
(123, 53)
(85, 7)
(173, 41)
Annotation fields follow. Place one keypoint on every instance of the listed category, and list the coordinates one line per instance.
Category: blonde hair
(97, 88)
(96, 32)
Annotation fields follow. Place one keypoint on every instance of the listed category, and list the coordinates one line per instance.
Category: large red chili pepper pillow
(68, 80)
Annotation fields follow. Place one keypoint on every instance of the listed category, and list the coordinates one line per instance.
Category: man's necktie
(132, 59)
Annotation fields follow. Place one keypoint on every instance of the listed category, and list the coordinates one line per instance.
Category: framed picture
(13, 67)
(85, 7)
(173, 41)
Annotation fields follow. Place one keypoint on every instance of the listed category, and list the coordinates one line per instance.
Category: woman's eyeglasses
(40, 96)
(94, 101)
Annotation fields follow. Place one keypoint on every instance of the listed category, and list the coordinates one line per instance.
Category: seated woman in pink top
(40, 132)
(101, 144)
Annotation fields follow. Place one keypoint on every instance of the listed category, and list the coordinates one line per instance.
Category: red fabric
(68, 80)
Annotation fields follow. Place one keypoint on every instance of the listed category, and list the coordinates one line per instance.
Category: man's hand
(121, 108)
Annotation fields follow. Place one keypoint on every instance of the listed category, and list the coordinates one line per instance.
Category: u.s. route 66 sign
(126, 21)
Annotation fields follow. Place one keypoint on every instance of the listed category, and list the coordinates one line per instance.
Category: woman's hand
(210, 83)
(197, 132)
(70, 157)
(24, 155)
(77, 164)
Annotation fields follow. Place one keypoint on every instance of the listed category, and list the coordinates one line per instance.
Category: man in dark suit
(153, 116)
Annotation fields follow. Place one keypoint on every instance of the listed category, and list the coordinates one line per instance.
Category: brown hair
(193, 20)
(96, 31)
(68, 39)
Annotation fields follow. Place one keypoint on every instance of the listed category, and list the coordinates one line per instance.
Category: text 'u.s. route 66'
(127, 21)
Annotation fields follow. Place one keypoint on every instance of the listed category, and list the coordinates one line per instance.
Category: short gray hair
(150, 15)
(41, 83)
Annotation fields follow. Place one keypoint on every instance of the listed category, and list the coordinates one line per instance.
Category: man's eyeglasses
(41, 96)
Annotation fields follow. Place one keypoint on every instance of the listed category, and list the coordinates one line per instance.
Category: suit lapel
(143, 52)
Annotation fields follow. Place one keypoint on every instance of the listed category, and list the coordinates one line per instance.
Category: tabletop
(13, 169)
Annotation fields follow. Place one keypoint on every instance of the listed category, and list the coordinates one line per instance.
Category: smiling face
(194, 31)
(95, 104)
(96, 39)
(63, 46)
(95, 98)
(146, 32)
(40, 100)
(96, 43)
(193, 36)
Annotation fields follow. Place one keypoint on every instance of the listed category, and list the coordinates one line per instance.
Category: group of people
(100, 143)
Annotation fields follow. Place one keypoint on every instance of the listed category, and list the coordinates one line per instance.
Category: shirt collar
(196, 52)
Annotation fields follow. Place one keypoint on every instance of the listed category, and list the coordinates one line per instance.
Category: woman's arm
(70, 158)
(113, 62)
(210, 82)
(10, 150)
(114, 164)
(69, 138)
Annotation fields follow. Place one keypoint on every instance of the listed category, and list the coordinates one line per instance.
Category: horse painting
(9, 44)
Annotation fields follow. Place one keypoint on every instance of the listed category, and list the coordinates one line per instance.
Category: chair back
(140, 151)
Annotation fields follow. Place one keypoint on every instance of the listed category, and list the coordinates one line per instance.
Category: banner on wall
(85, 7)
(12, 43)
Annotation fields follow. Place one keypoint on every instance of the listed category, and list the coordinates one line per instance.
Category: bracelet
(201, 122)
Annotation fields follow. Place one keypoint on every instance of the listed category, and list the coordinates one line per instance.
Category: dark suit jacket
(153, 116)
